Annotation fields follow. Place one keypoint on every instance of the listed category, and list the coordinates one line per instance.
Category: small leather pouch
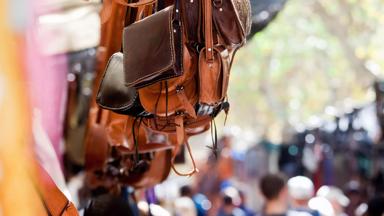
(153, 49)
(232, 19)
(113, 94)
(210, 79)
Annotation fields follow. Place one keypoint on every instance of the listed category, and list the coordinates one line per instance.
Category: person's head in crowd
(335, 196)
(230, 202)
(225, 141)
(108, 205)
(301, 190)
(356, 194)
(322, 205)
(232, 193)
(186, 191)
(376, 206)
(274, 189)
(243, 204)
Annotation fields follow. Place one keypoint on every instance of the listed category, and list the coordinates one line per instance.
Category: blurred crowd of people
(218, 190)
(280, 197)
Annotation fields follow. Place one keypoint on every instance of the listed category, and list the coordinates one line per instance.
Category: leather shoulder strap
(55, 202)
(208, 32)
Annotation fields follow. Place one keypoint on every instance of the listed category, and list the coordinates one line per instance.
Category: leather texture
(232, 19)
(191, 20)
(210, 78)
(115, 154)
(181, 78)
(150, 50)
(113, 94)
(174, 95)
(134, 158)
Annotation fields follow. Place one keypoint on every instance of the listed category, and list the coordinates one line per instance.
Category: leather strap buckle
(218, 3)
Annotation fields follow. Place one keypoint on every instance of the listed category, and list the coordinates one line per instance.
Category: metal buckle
(218, 3)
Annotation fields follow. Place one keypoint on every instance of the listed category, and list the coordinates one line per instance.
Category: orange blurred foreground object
(17, 192)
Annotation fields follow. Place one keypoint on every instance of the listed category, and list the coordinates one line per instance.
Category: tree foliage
(316, 54)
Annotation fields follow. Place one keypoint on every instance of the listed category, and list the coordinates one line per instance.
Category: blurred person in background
(184, 206)
(230, 203)
(108, 205)
(301, 190)
(274, 189)
(356, 193)
(242, 206)
(200, 201)
(336, 197)
(322, 205)
(376, 206)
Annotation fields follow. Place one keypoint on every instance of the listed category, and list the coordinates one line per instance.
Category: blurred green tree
(316, 54)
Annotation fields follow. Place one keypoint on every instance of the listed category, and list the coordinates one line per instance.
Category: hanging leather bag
(113, 94)
(153, 49)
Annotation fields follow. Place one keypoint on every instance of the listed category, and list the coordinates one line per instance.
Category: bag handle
(136, 4)
(180, 140)
(194, 169)
(208, 32)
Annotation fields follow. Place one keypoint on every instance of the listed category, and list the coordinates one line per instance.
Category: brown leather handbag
(137, 157)
(153, 48)
(232, 21)
(114, 95)
(213, 64)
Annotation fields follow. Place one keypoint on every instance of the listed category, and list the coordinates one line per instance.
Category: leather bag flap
(149, 52)
(113, 94)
